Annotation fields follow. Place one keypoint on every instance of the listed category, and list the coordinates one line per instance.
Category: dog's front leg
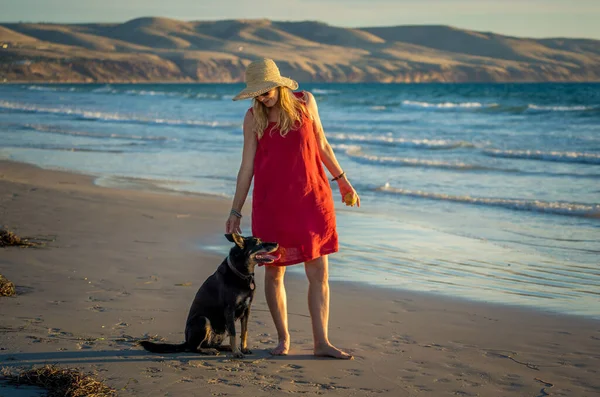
(244, 336)
(230, 324)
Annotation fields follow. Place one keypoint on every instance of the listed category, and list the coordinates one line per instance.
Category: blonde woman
(292, 204)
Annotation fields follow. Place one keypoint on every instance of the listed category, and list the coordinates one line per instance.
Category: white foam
(319, 91)
(95, 115)
(54, 130)
(446, 105)
(50, 88)
(383, 139)
(565, 157)
(356, 153)
(579, 108)
(559, 208)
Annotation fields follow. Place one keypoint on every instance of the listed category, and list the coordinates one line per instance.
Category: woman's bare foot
(331, 351)
(282, 348)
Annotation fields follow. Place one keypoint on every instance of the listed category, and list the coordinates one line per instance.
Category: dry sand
(123, 265)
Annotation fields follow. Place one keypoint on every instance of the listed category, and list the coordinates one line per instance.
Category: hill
(161, 49)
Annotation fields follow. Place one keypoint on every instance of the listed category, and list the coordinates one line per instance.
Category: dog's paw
(238, 354)
(246, 351)
(210, 352)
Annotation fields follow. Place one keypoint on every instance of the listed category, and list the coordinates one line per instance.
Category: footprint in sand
(202, 364)
(291, 366)
(57, 333)
(85, 345)
(353, 372)
(435, 346)
(462, 393)
(402, 339)
(153, 372)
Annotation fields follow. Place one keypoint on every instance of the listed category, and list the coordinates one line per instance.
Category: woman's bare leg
(317, 272)
(277, 302)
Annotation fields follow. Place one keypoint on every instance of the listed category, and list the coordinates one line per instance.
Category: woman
(284, 150)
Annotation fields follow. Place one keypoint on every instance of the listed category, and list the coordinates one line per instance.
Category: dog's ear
(236, 238)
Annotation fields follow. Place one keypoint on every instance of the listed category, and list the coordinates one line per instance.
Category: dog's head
(253, 250)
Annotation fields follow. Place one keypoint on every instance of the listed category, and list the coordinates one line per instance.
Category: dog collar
(249, 277)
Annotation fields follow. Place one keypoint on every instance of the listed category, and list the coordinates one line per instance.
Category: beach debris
(60, 382)
(7, 288)
(8, 238)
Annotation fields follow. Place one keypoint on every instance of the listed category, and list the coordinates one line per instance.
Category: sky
(523, 18)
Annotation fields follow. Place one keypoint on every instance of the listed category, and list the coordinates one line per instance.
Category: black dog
(224, 297)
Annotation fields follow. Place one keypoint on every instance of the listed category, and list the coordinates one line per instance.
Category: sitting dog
(224, 297)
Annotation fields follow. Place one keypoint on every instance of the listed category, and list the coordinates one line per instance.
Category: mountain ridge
(155, 49)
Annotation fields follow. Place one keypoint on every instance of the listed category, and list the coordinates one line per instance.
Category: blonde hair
(290, 115)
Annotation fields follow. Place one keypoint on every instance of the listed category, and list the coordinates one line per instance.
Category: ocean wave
(577, 108)
(562, 157)
(87, 134)
(178, 94)
(50, 88)
(107, 89)
(149, 93)
(319, 91)
(447, 105)
(356, 153)
(208, 95)
(112, 117)
(499, 107)
(388, 140)
(557, 207)
(59, 148)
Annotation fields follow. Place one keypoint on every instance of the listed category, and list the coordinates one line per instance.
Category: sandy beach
(118, 266)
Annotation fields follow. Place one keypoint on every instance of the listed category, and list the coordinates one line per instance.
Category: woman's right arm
(245, 174)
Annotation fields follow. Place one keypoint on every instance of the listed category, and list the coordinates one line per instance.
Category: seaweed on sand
(7, 288)
(8, 238)
(60, 382)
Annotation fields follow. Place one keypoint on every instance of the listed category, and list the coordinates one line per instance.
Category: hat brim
(265, 86)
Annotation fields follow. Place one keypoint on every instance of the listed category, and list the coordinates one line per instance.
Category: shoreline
(122, 265)
(215, 245)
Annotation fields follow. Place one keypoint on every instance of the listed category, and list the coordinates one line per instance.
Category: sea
(484, 192)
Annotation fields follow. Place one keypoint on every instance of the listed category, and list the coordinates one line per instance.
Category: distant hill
(167, 50)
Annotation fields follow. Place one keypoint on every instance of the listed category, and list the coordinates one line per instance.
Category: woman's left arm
(327, 155)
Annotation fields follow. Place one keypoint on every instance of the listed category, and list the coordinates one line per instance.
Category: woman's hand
(233, 225)
(349, 195)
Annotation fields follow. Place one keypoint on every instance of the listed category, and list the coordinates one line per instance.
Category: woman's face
(269, 98)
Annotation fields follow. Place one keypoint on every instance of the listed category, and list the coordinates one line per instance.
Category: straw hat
(262, 76)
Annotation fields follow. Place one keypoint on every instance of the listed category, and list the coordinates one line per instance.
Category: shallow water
(484, 191)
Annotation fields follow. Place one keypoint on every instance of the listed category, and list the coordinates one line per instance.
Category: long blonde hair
(290, 115)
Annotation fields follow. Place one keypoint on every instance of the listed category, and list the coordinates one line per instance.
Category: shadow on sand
(109, 356)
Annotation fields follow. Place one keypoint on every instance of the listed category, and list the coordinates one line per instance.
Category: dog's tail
(164, 347)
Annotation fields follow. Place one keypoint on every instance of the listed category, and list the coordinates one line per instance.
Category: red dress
(292, 202)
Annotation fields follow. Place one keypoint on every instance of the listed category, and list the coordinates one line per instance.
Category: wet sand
(121, 265)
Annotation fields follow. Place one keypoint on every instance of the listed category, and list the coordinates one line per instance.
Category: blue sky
(530, 18)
